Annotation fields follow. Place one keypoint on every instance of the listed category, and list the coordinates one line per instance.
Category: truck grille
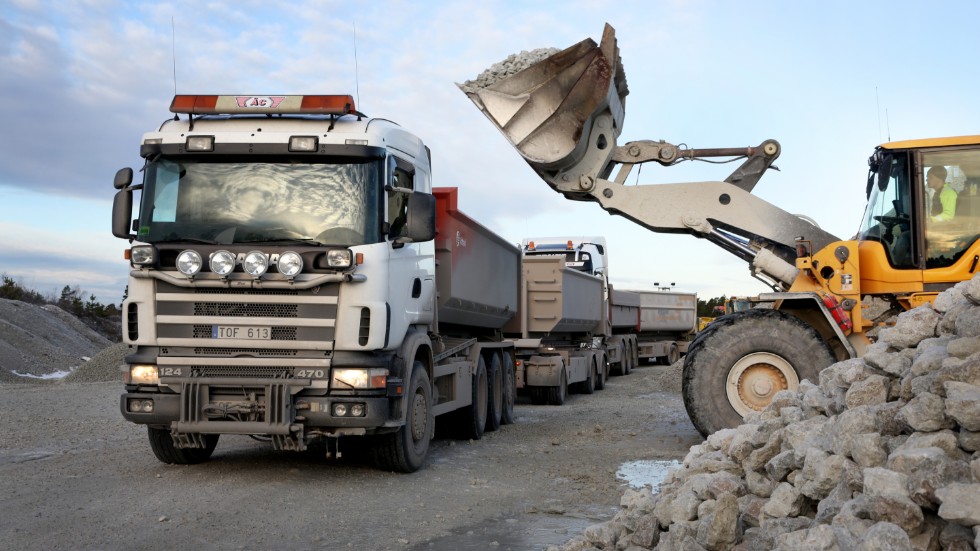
(256, 371)
(187, 318)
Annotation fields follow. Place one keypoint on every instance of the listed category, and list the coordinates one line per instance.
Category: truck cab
(282, 266)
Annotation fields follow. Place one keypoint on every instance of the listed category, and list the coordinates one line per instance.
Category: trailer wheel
(510, 390)
(539, 395)
(471, 420)
(558, 394)
(406, 449)
(742, 360)
(495, 394)
(163, 447)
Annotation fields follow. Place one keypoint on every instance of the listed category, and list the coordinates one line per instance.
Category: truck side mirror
(420, 224)
(122, 205)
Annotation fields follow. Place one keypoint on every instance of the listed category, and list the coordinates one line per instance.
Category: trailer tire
(558, 394)
(495, 394)
(405, 450)
(539, 395)
(471, 420)
(510, 390)
(740, 361)
(163, 447)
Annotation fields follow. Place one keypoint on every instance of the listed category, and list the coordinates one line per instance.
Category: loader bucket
(547, 109)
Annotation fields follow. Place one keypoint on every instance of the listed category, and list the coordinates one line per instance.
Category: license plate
(240, 332)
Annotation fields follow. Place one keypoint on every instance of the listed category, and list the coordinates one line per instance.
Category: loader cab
(922, 221)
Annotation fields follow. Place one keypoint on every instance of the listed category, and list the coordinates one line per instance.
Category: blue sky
(829, 80)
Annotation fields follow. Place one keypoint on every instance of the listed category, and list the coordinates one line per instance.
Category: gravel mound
(513, 64)
(103, 367)
(882, 453)
(37, 341)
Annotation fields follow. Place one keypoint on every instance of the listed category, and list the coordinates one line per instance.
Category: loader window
(886, 218)
(952, 217)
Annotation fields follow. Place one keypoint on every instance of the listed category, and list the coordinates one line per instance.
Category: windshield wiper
(304, 240)
(187, 239)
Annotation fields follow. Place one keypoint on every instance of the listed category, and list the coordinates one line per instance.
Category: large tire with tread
(405, 450)
(602, 368)
(740, 361)
(471, 421)
(163, 447)
(510, 389)
(495, 393)
(558, 394)
(588, 385)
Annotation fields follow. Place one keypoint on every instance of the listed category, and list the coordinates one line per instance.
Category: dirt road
(74, 475)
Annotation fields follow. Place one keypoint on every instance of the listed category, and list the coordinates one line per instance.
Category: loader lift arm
(564, 115)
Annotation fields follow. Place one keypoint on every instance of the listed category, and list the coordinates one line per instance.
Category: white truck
(574, 328)
(292, 279)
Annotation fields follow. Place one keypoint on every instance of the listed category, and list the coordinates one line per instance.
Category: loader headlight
(143, 374)
(142, 255)
(255, 263)
(189, 263)
(290, 264)
(222, 263)
(359, 378)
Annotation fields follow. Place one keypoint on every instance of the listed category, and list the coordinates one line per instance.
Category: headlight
(339, 258)
(255, 263)
(222, 263)
(189, 263)
(290, 264)
(142, 255)
(143, 374)
(356, 378)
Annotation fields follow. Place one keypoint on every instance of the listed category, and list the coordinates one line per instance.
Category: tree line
(104, 318)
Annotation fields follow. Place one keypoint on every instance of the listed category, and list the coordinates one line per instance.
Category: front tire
(163, 447)
(741, 361)
(406, 449)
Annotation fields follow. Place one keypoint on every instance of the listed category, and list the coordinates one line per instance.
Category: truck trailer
(574, 328)
(295, 277)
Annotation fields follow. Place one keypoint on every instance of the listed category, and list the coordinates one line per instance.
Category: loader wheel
(495, 394)
(737, 365)
(558, 394)
(163, 447)
(471, 421)
(510, 390)
(405, 450)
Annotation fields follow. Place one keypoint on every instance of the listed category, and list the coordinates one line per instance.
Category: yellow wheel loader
(919, 234)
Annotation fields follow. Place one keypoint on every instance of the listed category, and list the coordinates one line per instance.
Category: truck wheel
(405, 450)
(673, 355)
(741, 361)
(539, 395)
(558, 394)
(495, 394)
(589, 384)
(603, 369)
(471, 420)
(627, 364)
(163, 447)
(510, 390)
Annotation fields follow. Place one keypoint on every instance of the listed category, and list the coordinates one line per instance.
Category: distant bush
(103, 318)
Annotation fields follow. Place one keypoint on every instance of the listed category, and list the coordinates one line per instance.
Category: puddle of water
(646, 472)
(528, 532)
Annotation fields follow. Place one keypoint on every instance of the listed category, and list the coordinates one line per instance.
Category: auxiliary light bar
(286, 105)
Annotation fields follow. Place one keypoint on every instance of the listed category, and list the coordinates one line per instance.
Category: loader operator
(943, 196)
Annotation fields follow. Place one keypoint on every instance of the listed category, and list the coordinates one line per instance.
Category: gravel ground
(75, 475)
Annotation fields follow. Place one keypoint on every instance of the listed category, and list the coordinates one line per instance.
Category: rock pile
(880, 454)
(513, 64)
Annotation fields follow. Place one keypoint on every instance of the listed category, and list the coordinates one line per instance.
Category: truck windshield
(242, 202)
